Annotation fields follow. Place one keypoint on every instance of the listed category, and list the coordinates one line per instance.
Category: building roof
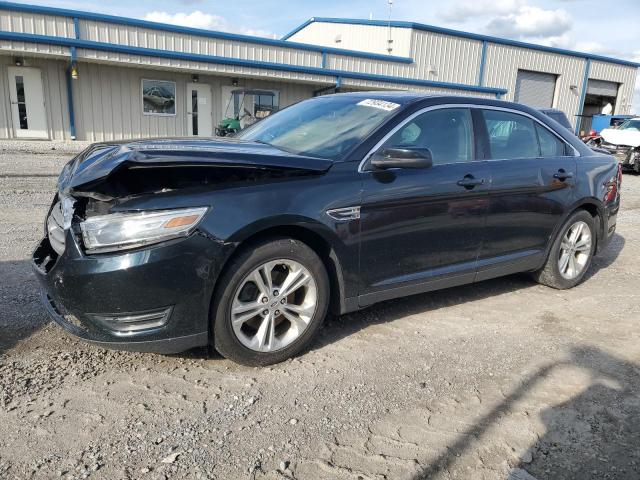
(459, 33)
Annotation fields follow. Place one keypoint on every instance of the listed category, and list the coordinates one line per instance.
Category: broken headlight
(119, 231)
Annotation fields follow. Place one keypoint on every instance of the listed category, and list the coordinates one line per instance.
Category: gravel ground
(503, 379)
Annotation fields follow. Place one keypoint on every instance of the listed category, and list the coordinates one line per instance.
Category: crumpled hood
(101, 160)
(629, 137)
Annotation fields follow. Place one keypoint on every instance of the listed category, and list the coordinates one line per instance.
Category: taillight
(613, 186)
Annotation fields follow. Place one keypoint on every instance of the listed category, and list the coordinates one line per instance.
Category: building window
(158, 97)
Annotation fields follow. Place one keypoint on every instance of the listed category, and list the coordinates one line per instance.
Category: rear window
(515, 136)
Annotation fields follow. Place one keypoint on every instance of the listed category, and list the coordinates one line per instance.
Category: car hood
(102, 162)
(629, 137)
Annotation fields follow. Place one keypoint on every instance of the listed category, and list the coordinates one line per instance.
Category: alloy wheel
(274, 305)
(575, 250)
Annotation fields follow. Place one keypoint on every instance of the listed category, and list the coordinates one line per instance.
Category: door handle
(562, 175)
(469, 181)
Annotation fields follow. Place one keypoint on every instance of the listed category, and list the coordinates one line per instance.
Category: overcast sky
(598, 26)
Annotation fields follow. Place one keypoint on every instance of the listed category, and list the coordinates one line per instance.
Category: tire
(250, 342)
(550, 274)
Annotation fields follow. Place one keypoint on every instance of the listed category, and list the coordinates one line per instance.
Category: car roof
(428, 99)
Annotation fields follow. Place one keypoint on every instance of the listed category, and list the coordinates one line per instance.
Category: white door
(199, 113)
(27, 102)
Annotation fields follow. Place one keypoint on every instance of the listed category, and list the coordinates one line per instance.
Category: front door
(422, 229)
(27, 102)
(199, 114)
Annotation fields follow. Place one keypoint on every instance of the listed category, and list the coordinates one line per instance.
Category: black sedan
(332, 204)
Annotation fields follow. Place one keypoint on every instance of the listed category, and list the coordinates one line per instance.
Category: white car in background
(623, 142)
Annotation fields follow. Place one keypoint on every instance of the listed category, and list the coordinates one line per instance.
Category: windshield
(631, 124)
(328, 127)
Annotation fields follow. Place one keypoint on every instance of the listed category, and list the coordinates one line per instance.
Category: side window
(550, 145)
(448, 133)
(511, 135)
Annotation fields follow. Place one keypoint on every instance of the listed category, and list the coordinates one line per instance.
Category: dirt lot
(487, 381)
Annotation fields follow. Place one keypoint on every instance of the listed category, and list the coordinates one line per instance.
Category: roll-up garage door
(535, 89)
(602, 88)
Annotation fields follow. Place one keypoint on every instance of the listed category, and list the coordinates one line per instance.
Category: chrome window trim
(395, 129)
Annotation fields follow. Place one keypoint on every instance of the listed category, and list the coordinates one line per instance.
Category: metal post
(74, 59)
(483, 59)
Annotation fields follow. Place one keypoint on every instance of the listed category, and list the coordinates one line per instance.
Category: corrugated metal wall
(119, 89)
(163, 40)
(437, 57)
(445, 58)
(504, 61)
(364, 38)
(198, 67)
(22, 22)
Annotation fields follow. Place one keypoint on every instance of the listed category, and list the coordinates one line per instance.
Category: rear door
(533, 173)
(422, 228)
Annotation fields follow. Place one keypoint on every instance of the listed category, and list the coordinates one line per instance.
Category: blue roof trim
(150, 52)
(64, 12)
(458, 33)
(298, 28)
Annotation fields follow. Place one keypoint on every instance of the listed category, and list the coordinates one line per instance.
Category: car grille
(55, 229)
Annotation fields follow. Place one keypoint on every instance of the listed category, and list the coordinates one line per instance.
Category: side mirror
(402, 158)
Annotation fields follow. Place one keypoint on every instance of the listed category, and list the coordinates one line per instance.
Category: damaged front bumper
(155, 299)
(628, 157)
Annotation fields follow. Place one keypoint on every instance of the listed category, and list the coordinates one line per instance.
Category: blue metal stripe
(150, 52)
(473, 36)
(583, 94)
(324, 59)
(298, 28)
(63, 12)
(483, 59)
(76, 27)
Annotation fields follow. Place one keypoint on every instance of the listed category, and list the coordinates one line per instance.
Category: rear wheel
(571, 253)
(274, 300)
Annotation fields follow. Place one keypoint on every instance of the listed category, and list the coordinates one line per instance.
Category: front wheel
(571, 253)
(273, 301)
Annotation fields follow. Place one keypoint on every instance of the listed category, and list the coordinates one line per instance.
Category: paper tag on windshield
(381, 104)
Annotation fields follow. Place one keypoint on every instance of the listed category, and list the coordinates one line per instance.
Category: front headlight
(120, 231)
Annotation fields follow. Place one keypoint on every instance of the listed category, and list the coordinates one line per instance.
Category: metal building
(68, 74)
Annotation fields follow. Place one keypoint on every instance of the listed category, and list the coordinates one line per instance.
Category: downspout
(74, 59)
(483, 62)
(583, 95)
(483, 59)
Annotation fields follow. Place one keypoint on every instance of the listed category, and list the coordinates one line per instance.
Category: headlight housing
(120, 231)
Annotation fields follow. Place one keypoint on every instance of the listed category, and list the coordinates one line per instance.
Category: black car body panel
(416, 230)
